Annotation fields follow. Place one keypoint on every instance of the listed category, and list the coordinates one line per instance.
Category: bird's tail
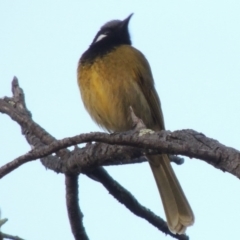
(177, 209)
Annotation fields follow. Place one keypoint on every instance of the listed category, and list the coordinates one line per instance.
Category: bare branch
(127, 199)
(4, 235)
(185, 142)
(8, 236)
(3, 221)
(38, 137)
(74, 213)
(24, 118)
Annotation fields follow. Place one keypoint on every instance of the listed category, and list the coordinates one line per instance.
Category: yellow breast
(110, 85)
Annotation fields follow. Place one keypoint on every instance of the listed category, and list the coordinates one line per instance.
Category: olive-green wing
(146, 83)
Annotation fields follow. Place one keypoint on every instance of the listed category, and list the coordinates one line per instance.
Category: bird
(113, 76)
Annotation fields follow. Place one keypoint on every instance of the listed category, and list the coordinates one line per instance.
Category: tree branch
(4, 235)
(36, 136)
(185, 142)
(8, 236)
(126, 198)
(74, 213)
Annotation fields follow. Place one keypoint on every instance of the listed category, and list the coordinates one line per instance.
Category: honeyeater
(112, 76)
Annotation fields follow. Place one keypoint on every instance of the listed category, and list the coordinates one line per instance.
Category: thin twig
(74, 213)
(8, 236)
(3, 221)
(4, 235)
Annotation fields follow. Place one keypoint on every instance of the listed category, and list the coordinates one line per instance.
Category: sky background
(193, 48)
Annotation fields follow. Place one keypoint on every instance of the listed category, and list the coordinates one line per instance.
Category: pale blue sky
(193, 48)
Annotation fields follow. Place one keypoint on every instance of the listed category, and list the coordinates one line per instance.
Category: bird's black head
(113, 32)
(111, 35)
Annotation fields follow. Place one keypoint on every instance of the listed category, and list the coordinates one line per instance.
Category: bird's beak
(125, 22)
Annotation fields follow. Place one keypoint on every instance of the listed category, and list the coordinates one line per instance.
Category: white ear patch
(100, 37)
